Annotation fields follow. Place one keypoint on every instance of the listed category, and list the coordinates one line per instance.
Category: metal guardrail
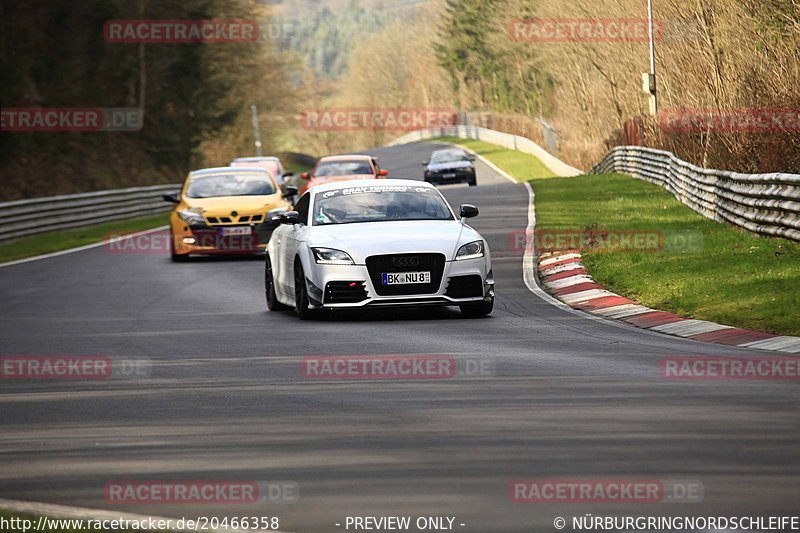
(21, 218)
(767, 204)
(513, 142)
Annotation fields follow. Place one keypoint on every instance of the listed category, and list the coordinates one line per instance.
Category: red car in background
(342, 168)
(273, 164)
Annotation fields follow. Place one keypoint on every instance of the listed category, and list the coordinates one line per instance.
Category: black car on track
(450, 165)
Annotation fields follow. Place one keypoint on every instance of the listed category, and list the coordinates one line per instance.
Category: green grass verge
(723, 274)
(63, 240)
(523, 167)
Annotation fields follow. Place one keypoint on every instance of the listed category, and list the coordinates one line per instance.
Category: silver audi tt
(360, 244)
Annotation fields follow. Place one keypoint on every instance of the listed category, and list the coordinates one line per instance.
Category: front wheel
(477, 310)
(176, 257)
(269, 287)
(301, 293)
(473, 182)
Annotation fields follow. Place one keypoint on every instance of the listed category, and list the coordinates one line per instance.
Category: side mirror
(425, 163)
(469, 211)
(173, 197)
(305, 175)
(290, 217)
(471, 157)
(383, 173)
(289, 191)
(288, 174)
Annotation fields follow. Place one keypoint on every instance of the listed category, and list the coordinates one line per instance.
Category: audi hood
(403, 236)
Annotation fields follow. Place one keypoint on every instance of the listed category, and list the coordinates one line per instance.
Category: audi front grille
(380, 264)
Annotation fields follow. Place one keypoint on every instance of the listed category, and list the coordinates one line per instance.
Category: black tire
(478, 310)
(269, 288)
(301, 292)
(473, 182)
(176, 258)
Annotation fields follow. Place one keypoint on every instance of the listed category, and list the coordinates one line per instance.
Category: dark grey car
(450, 165)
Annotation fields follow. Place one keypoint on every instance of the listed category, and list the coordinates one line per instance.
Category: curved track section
(224, 398)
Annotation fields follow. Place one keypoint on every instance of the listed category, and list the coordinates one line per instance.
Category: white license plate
(246, 230)
(450, 175)
(405, 278)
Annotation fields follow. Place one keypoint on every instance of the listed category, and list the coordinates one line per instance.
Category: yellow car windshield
(230, 184)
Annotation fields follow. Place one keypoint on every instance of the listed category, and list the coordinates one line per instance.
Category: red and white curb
(564, 277)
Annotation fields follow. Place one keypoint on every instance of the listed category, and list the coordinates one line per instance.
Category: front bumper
(350, 286)
(453, 176)
(209, 240)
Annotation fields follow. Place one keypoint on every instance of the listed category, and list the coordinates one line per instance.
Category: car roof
(459, 150)
(346, 157)
(369, 183)
(228, 170)
(255, 159)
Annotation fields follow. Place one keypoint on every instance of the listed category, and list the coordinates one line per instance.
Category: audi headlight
(329, 256)
(472, 250)
(191, 217)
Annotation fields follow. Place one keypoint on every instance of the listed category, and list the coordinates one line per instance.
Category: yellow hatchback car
(225, 210)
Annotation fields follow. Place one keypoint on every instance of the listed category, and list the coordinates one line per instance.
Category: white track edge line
(80, 248)
(529, 269)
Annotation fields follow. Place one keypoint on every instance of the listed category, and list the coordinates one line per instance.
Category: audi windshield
(379, 204)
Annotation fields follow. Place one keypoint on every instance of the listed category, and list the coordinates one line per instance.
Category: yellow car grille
(243, 219)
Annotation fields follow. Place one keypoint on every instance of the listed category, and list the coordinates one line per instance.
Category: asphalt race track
(224, 398)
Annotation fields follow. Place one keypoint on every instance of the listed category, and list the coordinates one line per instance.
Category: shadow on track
(388, 315)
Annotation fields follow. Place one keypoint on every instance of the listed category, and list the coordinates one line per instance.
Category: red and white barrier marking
(565, 277)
